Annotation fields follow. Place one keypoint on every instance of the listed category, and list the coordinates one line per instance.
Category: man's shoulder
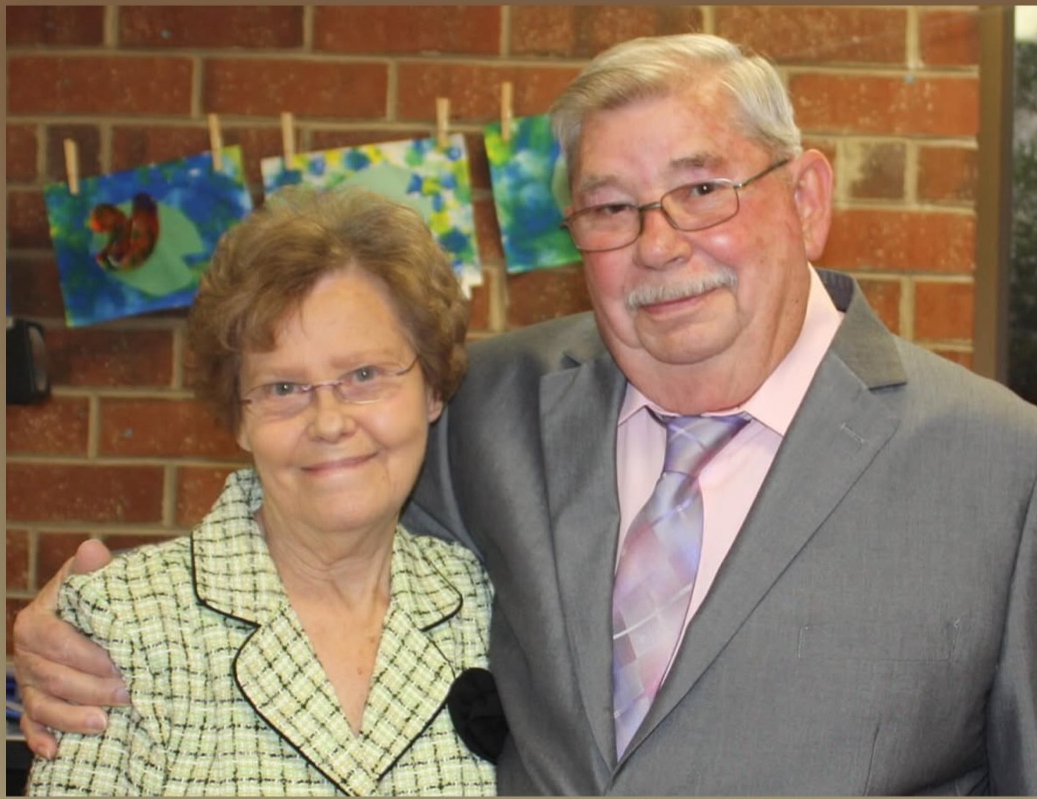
(939, 383)
(574, 335)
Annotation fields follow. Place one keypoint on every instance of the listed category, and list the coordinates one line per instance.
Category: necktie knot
(692, 440)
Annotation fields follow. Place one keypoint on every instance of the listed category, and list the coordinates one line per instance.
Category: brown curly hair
(265, 267)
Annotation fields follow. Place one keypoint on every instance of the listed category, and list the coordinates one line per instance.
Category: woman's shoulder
(433, 561)
(449, 556)
(159, 563)
(135, 586)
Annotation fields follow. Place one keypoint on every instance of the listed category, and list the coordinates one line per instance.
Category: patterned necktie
(657, 567)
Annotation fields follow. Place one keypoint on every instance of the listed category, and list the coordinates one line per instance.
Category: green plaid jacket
(228, 694)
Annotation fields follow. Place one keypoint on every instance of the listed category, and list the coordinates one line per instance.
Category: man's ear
(813, 196)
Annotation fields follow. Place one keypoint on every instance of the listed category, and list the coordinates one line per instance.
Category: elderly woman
(300, 641)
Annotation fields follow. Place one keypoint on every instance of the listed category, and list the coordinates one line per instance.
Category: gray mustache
(690, 287)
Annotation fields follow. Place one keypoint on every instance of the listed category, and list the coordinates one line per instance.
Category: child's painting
(434, 180)
(530, 191)
(139, 240)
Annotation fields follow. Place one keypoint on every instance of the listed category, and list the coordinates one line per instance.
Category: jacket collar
(235, 575)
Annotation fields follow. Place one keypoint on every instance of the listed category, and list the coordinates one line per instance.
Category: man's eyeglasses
(361, 386)
(694, 206)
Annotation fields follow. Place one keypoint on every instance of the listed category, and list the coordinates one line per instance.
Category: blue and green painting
(137, 241)
(530, 191)
(432, 179)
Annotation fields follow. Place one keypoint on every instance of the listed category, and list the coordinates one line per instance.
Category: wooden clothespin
(215, 142)
(505, 111)
(72, 166)
(442, 121)
(288, 136)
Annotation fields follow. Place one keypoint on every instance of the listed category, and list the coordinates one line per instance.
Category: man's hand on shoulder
(65, 679)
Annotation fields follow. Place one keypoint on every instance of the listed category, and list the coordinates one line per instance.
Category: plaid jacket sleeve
(129, 758)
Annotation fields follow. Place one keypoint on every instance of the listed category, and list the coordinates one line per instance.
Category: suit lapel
(579, 407)
(839, 429)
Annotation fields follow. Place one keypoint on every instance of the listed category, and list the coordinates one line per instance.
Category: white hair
(651, 67)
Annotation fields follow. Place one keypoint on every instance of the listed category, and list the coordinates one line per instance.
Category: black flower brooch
(476, 712)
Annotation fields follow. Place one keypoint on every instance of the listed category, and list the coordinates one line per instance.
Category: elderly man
(743, 539)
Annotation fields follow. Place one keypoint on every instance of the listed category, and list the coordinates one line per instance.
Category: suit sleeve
(1012, 723)
(128, 758)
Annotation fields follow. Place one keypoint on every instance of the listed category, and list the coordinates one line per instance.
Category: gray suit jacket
(873, 629)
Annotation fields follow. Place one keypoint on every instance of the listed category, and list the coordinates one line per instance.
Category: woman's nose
(330, 417)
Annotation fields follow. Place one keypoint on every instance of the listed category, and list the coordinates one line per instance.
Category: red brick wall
(122, 452)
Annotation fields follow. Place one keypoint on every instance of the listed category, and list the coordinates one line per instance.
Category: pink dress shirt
(732, 479)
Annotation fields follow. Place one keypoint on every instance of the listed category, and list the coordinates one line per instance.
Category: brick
(59, 492)
(584, 31)
(474, 90)
(479, 308)
(268, 86)
(545, 294)
(947, 174)
(962, 357)
(52, 550)
(257, 142)
(133, 146)
(487, 231)
(875, 171)
(196, 490)
(901, 240)
(110, 358)
(33, 289)
(58, 426)
(39, 84)
(88, 143)
(944, 310)
(818, 34)
(322, 139)
(13, 608)
(478, 163)
(471, 30)
(949, 38)
(17, 560)
(55, 25)
(884, 298)
(269, 27)
(886, 105)
(162, 428)
(121, 543)
(21, 152)
(27, 224)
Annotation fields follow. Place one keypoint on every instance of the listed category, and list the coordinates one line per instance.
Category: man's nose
(660, 242)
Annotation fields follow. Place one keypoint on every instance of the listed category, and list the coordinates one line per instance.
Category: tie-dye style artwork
(434, 180)
(139, 240)
(530, 191)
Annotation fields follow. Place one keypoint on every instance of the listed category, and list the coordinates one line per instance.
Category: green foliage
(1022, 345)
